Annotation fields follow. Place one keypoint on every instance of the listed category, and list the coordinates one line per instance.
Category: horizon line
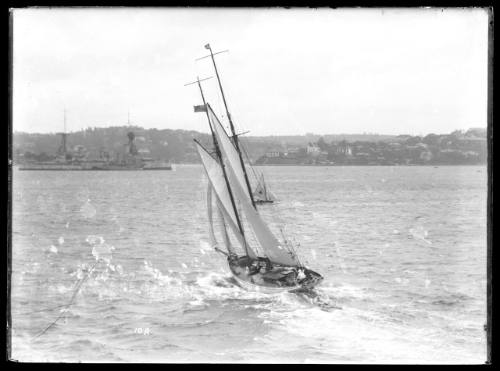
(247, 136)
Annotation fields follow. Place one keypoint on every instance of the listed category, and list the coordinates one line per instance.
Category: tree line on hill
(177, 146)
(456, 148)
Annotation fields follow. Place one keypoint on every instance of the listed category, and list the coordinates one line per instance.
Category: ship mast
(219, 156)
(235, 137)
(64, 135)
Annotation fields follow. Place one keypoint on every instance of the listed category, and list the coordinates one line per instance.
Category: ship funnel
(132, 149)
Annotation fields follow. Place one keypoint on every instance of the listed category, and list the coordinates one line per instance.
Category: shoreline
(333, 165)
(18, 167)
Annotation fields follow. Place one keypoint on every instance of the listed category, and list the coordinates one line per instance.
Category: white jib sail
(216, 178)
(269, 243)
(211, 233)
(220, 214)
(225, 235)
(228, 150)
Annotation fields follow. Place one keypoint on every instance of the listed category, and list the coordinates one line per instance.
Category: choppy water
(402, 250)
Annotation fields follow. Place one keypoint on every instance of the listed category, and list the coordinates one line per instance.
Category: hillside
(177, 146)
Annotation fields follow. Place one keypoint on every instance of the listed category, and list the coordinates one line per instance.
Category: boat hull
(158, 168)
(264, 201)
(261, 289)
(273, 279)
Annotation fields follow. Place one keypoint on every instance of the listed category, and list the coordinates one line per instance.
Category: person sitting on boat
(268, 266)
(253, 269)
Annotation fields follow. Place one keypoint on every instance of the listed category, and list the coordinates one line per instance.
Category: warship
(129, 159)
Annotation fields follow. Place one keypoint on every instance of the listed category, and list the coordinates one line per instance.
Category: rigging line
(290, 246)
(219, 101)
(281, 225)
(239, 126)
(254, 172)
(220, 107)
(222, 225)
(77, 289)
(243, 145)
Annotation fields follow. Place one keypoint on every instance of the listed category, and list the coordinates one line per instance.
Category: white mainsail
(216, 178)
(228, 150)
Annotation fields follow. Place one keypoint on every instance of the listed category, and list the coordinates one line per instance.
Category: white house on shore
(271, 154)
(313, 149)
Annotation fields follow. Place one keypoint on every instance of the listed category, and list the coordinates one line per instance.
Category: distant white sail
(229, 152)
(216, 178)
(262, 193)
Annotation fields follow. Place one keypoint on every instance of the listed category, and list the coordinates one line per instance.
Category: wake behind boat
(258, 260)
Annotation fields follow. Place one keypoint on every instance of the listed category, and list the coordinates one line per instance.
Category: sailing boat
(262, 194)
(265, 263)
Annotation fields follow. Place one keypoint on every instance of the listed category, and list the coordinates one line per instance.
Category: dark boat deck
(262, 272)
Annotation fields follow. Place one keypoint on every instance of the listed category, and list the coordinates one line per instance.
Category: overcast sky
(392, 71)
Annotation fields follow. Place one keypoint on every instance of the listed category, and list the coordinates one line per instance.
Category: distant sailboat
(262, 194)
(264, 262)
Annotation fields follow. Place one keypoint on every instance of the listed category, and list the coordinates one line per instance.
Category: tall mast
(219, 156)
(235, 137)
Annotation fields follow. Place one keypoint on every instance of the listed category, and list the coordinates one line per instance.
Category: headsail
(216, 179)
(225, 236)
(268, 242)
(213, 240)
(229, 153)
